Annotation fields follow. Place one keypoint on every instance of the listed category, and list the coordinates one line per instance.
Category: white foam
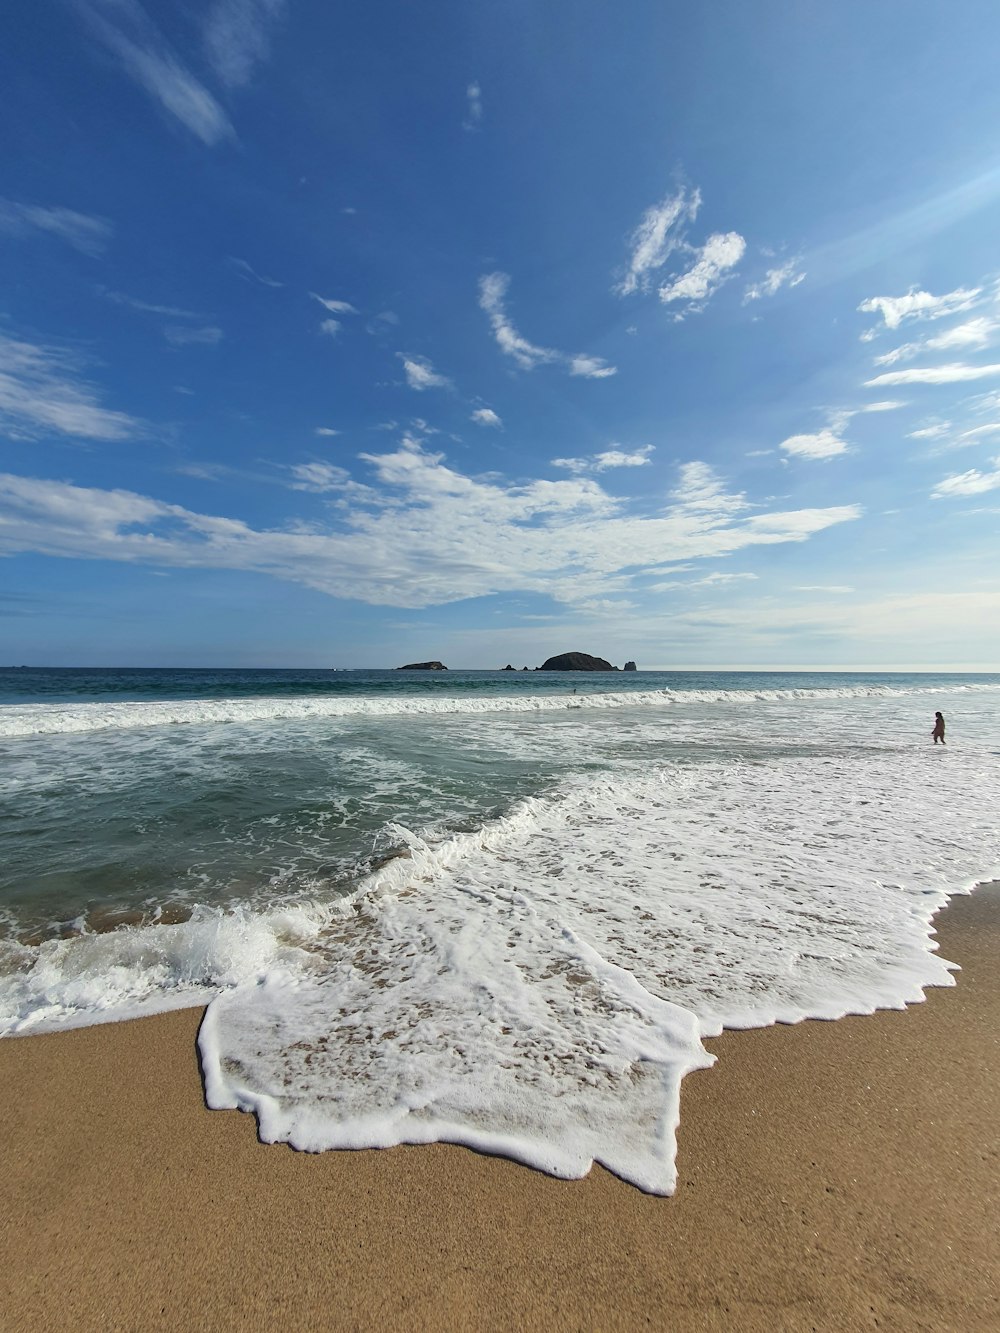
(102, 977)
(506, 989)
(46, 719)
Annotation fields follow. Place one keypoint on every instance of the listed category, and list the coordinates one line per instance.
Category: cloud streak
(492, 299)
(955, 373)
(427, 536)
(42, 392)
(90, 235)
(147, 58)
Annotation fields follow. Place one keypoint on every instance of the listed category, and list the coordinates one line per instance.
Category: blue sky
(349, 335)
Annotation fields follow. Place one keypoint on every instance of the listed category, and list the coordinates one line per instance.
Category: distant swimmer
(938, 732)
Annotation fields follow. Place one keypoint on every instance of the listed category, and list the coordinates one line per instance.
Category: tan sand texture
(833, 1176)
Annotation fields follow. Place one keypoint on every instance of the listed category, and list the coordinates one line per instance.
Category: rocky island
(423, 666)
(575, 662)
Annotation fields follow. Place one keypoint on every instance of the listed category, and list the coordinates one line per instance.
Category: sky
(343, 335)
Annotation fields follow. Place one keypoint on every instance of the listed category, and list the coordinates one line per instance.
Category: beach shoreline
(831, 1175)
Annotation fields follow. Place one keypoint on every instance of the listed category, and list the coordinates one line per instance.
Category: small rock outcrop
(423, 666)
(508, 667)
(630, 666)
(575, 662)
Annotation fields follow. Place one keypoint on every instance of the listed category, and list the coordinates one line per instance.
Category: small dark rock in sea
(423, 666)
(508, 667)
(630, 666)
(576, 662)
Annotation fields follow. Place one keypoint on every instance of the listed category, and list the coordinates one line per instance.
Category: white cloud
(181, 336)
(917, 304)
(788, 275)
(887, 405)
(319, 477)
(976, 333)
(821, 444)
(236, 37)
(474, 107)
(614, 457)
(717, 256)
(492, 291)
(955, 373)
(331, 327)
(485, 416)
(591, 367)
(148, 59)
(41, 390)
(428, 536)
(334, 307)
(325, 430)
(420, 374)
(972, 482)
(659, 233)
(89, 235)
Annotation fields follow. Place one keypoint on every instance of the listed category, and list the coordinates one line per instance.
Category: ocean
(500, 909)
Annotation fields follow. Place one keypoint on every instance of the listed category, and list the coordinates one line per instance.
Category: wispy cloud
(319, 477)
(428, 535)
(42, 390)
(820, 444)
(147, 58)
(492, 299)
(180, 336)
(613, 457)
(420, 374)
(331, 327)
(473, 107)
(325, 430)
(659, 233)
(237, 37)
(916, 305)
(148, 308)
(972, 482)
(334, 307)
(955, 373)
(89, 235)
(711, 268)
(975, 333)
(485, 416)
(786, 275)
(247, 272)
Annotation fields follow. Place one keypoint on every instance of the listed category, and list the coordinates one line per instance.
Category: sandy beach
(832, 1176)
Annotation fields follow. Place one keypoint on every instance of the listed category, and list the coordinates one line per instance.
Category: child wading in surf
(938, 732)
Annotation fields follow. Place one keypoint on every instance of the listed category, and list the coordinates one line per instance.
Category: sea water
(494, 908)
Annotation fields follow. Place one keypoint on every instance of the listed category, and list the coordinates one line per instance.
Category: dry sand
(832, 1176)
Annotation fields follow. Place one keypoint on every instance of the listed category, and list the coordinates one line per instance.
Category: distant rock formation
(576, 662)
(423, 666)
(508, 667)
(630, 666)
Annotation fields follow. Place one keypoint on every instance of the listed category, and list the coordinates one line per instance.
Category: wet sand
(831, 1176)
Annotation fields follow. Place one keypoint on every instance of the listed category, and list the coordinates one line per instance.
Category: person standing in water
(938, 732)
